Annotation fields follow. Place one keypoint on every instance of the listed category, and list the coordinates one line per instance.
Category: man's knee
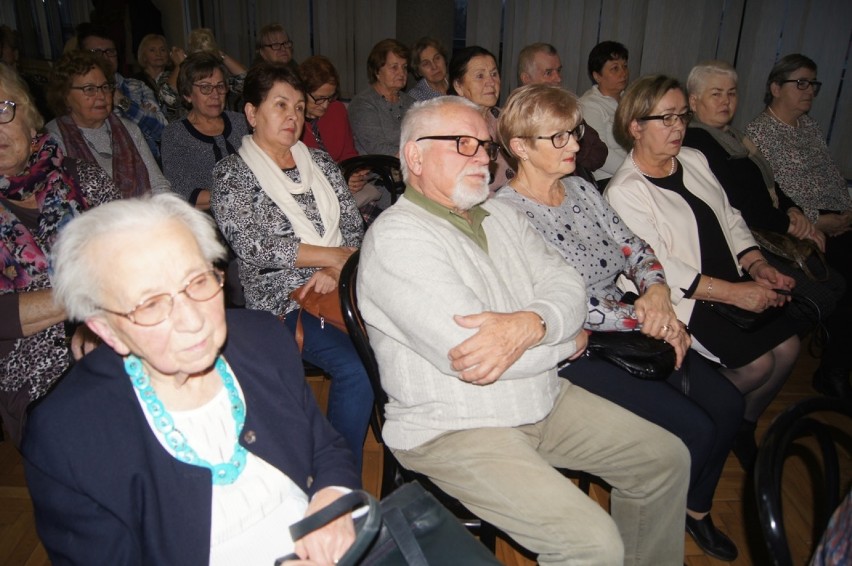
(595, 540)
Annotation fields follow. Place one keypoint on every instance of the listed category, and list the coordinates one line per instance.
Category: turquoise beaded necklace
(225, 473)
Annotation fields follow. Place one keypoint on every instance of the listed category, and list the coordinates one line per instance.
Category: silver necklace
(671, 171)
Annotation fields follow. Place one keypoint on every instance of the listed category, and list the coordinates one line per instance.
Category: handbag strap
(405, 540)
(299, 335)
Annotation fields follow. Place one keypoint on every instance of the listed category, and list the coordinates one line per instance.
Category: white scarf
(280, 188)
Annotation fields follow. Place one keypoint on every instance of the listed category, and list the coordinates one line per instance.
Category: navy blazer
(105, 491)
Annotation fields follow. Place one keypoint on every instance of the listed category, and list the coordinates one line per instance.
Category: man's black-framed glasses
(561, 139)
(279, 45)
(7, 111)
(319, 100)
(156, 309)
(109, 52)
(469, 145)
(670, 120)
(803, 84)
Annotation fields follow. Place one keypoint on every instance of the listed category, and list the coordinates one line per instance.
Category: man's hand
(502, 339)
(327, 544)
(581, 342)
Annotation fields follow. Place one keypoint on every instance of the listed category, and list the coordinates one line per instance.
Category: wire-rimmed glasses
(156, 309)
(7, 111)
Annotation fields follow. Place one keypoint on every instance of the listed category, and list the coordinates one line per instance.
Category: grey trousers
(507, 477)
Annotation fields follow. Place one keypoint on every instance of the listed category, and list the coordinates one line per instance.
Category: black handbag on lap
(634, 352)
(741, 318)
(407, 528)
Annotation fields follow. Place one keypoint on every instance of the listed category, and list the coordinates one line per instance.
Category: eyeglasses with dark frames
(669, 120)
(279, 45)
(111, 52)
(207, 88)
(803, 84)
(156, 309)
(323, 99)
(561, 139)
(91, 90)
(7, 111)
(469, 145)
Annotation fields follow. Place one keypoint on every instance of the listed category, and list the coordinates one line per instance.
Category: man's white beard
(466, 197)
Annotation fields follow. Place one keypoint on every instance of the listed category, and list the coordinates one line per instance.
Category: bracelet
(755, 262)
(710, 290)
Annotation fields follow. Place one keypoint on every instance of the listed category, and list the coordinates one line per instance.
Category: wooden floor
(733, 506)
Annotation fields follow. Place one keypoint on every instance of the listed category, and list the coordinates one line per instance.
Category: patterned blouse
(593, 239)
(261, 235)
(422, 91)
(801, 163)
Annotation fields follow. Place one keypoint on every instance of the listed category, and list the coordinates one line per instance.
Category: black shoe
(710, 539)
(833, 382)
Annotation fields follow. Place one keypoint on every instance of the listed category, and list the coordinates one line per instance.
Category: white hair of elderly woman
(697, 79)
(72, 275)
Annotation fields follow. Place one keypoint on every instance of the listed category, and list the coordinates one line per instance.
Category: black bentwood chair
(385, 167)
(794, 423)
(393, 474)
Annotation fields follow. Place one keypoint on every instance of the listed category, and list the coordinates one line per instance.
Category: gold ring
(665, 328)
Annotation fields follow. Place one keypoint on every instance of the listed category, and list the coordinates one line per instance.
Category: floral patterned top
(261, 235)
(801, 163)
(34, 362)
(593, 239)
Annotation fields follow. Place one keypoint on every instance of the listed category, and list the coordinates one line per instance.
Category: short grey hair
(73, 274)
(527, 55)
(418, 119)
(697, 80)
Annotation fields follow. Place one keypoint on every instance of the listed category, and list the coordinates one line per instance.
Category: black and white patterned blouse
(261, 235)
(801, 163)
(593, 239)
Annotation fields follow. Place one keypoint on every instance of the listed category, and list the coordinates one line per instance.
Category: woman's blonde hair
(531, 107)
(202, 39)
(141, 58)
(17, 91)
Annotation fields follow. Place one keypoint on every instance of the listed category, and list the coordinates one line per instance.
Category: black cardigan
(743, 183)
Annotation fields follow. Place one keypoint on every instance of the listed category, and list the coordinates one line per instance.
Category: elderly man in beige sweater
(470, 313)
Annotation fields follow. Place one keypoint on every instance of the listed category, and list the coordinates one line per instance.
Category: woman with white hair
(748, 181)
(190, 436)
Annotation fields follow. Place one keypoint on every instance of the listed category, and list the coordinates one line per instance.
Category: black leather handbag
(741, 318)
(407, 528)
(634, 352)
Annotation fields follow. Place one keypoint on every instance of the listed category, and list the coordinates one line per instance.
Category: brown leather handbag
(324, 306)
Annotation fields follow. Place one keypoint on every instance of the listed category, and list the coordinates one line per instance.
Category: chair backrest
(794, 423)
(385, 166)
(358, 333)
